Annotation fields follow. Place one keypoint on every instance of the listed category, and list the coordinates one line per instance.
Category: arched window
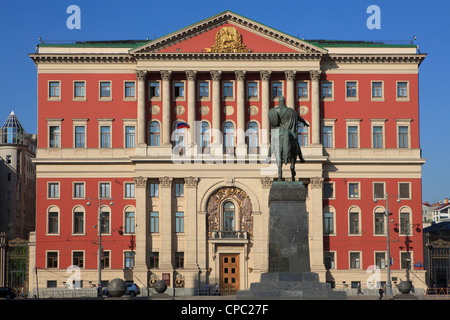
(204, 137)
(228, 137)
(228, 216)
(253, 138)
(302, 135)
(154, 133)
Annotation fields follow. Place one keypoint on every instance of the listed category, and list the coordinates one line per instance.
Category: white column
(141, 223)
(315, 109)
(316, 227)
(240, 95)
(166, 94)
(216, 127)
(166, 231)
(290, 89)
(141, 76)
(190, 252)
(265, 99)
(191, 76)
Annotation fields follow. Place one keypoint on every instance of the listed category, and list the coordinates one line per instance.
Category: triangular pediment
(228, 33)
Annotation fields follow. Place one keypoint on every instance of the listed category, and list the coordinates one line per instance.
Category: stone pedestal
(289, 275)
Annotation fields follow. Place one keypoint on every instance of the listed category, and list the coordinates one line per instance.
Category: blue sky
(23, 22)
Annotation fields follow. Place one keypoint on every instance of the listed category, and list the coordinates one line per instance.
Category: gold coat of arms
(228, 39)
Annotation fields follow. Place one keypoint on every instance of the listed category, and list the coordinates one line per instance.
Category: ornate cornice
(375, 58)
(221, 19)
(82, 58)
(255, 56)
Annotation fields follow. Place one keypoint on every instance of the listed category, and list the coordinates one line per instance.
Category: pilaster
(316, 227)
(166, 228)
(141, 223)
(141, 76)
(166, 95)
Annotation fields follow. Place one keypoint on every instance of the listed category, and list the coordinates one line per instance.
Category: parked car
(7, 292)
(132, 290)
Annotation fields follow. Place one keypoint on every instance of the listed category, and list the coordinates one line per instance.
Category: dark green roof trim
(349, 43)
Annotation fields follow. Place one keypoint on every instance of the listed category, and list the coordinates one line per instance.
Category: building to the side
(171, 134)
(17, 179)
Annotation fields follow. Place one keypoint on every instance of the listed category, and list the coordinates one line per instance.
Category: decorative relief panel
(228, 39)
(244, 218)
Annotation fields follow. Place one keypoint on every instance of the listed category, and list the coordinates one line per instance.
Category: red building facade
(107, 115)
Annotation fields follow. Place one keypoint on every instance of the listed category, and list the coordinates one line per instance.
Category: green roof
(357, 43)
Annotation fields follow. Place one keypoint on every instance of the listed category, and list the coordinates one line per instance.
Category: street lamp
(387, 213)
(99, 223)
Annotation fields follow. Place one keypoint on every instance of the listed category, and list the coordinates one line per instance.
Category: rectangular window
(179, 222)
(380, 260)
(405, 260)
(105, 89)
(353, 137)
(377, 136)
(78, 222)
(154, 190)
(105, 259)
(130, 133)
(53, 190)
(179, 189)
(54, 89)
(353, 190)
(80, 136)
(130, 90)
(77, 258)
(404, 190)
(129, 260)
(302, 89)
(328, 190)
(154, 260)
(52, 224)
(129, 190)
(351, 89)
(179, 260)
(377, 89)
(179, 89)
(203, 89)
(129, 222)
(354, 222)
(329, 260)
(78, 190)
(402, 89)
(277, 89)
(54, 138)
(79, 89)
(355, 260)
(378, 190)
(52, 259)
(302, 135)
(154, 222)
(105, 136)
(154, 89)
(228, 89)
(104, 190)
(252, 88)
(403, 137)
(327, 137)
(327, 90)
